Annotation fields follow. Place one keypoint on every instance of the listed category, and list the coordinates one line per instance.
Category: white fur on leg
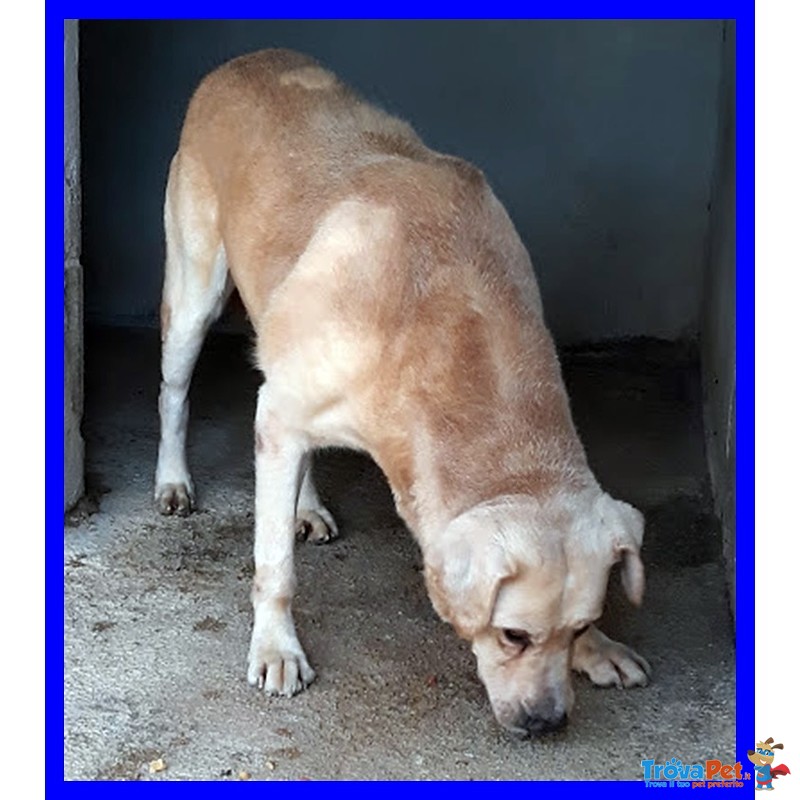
(193, 305)
(174, 487)
(608, 663)
(314, 523)
(276, 660)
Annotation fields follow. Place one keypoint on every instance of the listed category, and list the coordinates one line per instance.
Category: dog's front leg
(608, 663)
(277, 662)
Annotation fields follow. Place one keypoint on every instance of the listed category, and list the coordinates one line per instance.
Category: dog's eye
(516, 637)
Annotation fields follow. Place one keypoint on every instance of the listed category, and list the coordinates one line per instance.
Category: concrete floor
(158, 611)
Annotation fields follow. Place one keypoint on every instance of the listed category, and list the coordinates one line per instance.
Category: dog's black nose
(541, 726)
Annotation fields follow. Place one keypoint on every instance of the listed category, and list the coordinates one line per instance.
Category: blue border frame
(742, 13)
(745, 382)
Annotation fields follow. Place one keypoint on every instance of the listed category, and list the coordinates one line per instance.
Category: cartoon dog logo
(762, 757)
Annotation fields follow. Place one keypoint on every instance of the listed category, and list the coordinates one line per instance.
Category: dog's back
(420, 306)
(275, 140)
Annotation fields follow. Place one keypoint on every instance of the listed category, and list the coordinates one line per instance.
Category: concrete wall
(73, 284)
(718, 334)
(599, 136)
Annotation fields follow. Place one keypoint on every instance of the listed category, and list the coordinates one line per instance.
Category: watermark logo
(762, 757)
(712, 773)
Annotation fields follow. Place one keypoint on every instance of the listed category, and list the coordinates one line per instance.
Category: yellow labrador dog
(396, 312)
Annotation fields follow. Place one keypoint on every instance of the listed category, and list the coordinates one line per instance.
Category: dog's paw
(608, 663)
(175, 498)
(279, 672)
(317, 526)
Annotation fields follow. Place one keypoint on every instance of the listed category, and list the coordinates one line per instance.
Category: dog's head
(520, 580)
(764, 753)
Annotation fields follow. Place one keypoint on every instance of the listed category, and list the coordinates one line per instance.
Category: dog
(762, 757)
(396, 312)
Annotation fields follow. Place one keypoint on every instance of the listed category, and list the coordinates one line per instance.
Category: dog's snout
(548, 715)
(540, 726)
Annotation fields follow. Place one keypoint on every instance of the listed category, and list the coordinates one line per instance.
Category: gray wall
(718, 333)
(598, 136)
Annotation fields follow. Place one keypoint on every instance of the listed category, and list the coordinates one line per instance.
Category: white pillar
(73, 275)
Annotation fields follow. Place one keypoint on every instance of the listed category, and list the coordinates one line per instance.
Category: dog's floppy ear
(464, 568)
(626, 526)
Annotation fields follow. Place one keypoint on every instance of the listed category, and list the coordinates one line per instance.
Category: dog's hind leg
(196, 286)
(314, 523)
